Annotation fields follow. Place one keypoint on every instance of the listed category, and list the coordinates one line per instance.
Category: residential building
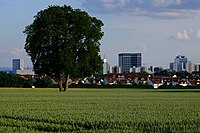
(129, 60)
(26, 73)
(144, 68)
(17, 64)
(135, 69)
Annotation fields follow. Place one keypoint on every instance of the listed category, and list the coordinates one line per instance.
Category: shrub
(8, 80)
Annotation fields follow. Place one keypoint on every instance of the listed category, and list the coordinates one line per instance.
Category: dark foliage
(8, 80)
(45, 83)
(63, 41)
(165, 86)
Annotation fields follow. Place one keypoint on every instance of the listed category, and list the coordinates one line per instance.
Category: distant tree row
(182, 74)
(165, 86)
(8, 80)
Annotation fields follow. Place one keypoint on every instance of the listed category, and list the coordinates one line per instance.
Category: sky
(159, 29)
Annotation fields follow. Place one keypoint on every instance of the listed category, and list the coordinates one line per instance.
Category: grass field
(99, 110)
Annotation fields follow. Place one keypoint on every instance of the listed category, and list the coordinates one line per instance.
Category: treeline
(9, 80)
(164, 86)
(182, 74)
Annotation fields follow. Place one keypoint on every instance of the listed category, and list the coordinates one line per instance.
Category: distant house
(155, 82)
(127, 78)
(26, 73)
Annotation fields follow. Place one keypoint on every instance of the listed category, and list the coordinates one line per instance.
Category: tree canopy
(63, 41)
(8, 80)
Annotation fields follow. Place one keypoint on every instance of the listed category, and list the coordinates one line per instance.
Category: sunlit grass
(99, 110)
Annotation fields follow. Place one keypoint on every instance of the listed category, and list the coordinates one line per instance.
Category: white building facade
(106, 67)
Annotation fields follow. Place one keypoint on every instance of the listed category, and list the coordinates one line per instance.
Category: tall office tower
(180, 63)
(106, 67)
(18, 64)
(171, 66)
(129, 60)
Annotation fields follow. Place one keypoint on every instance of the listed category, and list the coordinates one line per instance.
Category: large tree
(64, 42)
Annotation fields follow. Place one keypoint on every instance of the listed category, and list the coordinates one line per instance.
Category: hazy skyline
(159, 29)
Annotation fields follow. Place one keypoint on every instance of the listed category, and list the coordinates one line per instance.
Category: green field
(99, 110)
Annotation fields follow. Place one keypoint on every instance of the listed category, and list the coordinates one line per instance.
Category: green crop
(99, 110)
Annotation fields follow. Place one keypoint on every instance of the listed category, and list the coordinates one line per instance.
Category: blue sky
(159, 29)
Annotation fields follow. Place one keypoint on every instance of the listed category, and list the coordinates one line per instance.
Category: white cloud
(186, 35)
(167, 2)
(114, 3)
(182, 35)
(173, 14)
(150, 8)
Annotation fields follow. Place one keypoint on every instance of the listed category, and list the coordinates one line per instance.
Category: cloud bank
(168, 9)
(186, 35)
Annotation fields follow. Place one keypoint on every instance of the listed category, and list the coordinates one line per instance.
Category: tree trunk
(60, 85)
(66, 83)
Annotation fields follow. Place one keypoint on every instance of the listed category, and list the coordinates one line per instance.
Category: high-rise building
(116, 69)
(18, 64)
(189, 67)
(129, 60)
(171, 66)
(197, 67)
(106, 67)
(180, 63)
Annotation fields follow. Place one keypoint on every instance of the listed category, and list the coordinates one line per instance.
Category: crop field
(99, 110)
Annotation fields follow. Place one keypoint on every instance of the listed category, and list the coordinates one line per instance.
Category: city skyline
(158, 29)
